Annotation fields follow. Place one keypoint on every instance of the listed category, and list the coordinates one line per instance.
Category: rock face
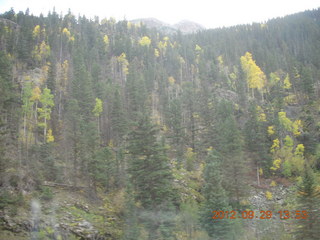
(184, 26)
(64, 220)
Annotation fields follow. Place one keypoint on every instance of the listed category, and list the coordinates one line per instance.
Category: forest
(112, 130)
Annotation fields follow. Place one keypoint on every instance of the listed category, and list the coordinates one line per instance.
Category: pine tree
(151, 179)
(256, 137)
(118, 118)
(174, 122)
(307, 85)
(309, 202)
(102, 168)
(131, 226)
(51, 81)
(149, 166)
(6, 97)
(228, 143)
(215, 198)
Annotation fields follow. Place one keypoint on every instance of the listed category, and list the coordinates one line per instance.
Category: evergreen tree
(149, 166)
(6, 97)
(309, 202)
(131, 226)
(228, 143)
(256, 137)
(215, 198)
(151, 179)
(118, 118)
(307, 83)
(51, 81)
(102, 168)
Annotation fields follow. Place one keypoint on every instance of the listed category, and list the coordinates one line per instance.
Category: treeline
(178, 122)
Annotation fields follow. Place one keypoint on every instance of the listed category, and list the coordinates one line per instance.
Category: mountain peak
(185, 26)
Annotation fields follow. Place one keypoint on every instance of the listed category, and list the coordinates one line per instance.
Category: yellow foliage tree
(275, 145)
(41, 52)
(156, 52)
(67, 33)
(124, 63)
(36, 31)
(50, 137)
(276, 164)
(171, 80)
(273, 183)
(297, 126)
(36, 93)
(271, 130)
(268, 195)
(288, 141)
(256, 79)
(106, 41)
(145, 41)
(198, 48)
(286, 82)
(284, 121)
(299, 150)
(261, 115)
(220, 60)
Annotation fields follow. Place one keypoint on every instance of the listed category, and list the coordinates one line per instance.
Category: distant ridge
(184, 26)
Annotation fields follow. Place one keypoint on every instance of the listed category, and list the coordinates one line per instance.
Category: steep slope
(112, 113)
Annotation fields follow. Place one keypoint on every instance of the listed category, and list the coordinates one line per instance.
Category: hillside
(122, 130)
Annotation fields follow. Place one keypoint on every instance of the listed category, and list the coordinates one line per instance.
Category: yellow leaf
(275, 145)
(156, 52)
(36, 31)
(286, 82)
(50, 137)
(297, 125)
(271, 130)
(268, 195)
(273, 183)
(145, 41)
(198, 48)
(299, 150)
(36, 93)
(260, 171)
(171, 80)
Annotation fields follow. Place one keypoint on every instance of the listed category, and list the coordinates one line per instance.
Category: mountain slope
(97, 118)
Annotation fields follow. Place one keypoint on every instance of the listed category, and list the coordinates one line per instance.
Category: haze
(210, 14)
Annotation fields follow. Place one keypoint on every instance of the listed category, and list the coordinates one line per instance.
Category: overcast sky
(210, 14)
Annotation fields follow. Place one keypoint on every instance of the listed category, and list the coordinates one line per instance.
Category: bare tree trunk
(258, 176)
(45, 129)
(59, 105)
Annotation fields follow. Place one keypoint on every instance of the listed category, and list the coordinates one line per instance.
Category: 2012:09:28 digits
(285, 214)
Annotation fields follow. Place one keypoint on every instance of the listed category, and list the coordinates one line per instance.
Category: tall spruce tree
(151, 179)
(257, 141)
(215, 198)
(149, 166)
(229, 145)
(309, 202)
(118, 118)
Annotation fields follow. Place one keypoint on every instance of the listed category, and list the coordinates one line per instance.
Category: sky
(210, 14)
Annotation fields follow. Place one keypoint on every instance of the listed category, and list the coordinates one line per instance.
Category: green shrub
(46, 193)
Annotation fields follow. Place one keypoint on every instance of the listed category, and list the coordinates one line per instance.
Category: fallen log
(63, 185)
